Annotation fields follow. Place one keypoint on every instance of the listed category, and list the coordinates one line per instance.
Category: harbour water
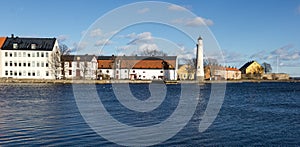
(252, 114)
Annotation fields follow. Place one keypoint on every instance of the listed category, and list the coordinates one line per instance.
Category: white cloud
(62, 38)
(103, 42)
(128, 36)
(176, 8)
(80, 46)
(284, 53)
(96, 33)
(142, 11)
(199, 21)
(145, 37)
(150, 47)
(193, 22)
(285, 56)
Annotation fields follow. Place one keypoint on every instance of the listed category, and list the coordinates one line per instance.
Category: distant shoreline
(132, 81)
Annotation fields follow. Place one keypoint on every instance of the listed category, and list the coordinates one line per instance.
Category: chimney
(12, 35)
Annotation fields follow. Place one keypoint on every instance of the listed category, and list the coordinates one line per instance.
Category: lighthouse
(199, 57)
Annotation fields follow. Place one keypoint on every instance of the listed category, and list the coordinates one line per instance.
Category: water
(252, 114)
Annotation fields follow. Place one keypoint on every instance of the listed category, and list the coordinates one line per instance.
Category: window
(33, 54)
(33, 64)
(107, 71)
(6, 63)
(100, 71)
(10, 54)
(20, 73)
(28, 64)
(15, 54)
(42, 54)
(10, 63)
(47, 73)
(33, 73)
(28, 55)
(29, 74)
(15, 45)
(15, 73)
(15, 64)
(70, 72)
(66, 64)
(24, 64)
(37, 54)
(19, 54)
(6, 54)
(161, 71)
(133, 71)
(20, 64)
(37, 64)
(144, 72)
(42, 64)
(6, 73)
(78, 64)
(33, 46)
(47, 64)
(38, 73)
(70, 64)
(24, 73)
(47, 54)
(11, 73)
(24, 54)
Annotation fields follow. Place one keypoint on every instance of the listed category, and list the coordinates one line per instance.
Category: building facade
(233, 74)
(30, 58)
(252, 67)
(186, 72)
(216, 72)
(79, 66)
(137, 67)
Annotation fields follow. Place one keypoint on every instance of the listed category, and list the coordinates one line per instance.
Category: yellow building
(186, 72)
(252, 68)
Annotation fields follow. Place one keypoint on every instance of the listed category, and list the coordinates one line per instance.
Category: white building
(30, 58)
(138, 67)
(79, 66)
(200, 66)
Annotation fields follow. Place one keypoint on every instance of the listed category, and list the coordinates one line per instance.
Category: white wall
(90, 73)
(28, 64)
(142, 74)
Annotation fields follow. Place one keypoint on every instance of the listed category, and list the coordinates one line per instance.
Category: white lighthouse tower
(200, 66)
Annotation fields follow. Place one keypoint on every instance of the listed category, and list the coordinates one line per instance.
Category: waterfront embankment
(70, 81)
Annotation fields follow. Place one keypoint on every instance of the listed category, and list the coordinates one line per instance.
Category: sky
(238, 30)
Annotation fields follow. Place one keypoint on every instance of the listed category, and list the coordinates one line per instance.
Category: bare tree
(152, 52)
(191, 66)
(64, 49)
(267, 67)
(54, 63)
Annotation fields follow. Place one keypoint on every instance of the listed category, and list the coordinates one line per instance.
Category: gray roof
(42, 44)
(77, 57)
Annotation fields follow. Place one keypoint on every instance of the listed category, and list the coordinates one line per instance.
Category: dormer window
(33, 46)
(15, 45)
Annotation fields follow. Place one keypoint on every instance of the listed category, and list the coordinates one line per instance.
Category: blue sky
(262, 30)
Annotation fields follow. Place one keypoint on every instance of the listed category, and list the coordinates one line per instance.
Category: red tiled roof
(2, 40)
(231, 69)
(138, 64)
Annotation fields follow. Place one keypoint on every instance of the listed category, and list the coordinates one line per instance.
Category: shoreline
(70, 81)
